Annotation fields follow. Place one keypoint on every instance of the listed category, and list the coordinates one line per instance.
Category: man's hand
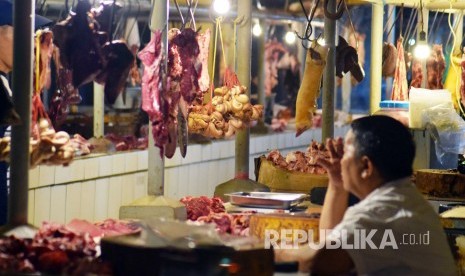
(333, 166)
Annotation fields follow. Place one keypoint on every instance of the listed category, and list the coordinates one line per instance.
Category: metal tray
(266, 199)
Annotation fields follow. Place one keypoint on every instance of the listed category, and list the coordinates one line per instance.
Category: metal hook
(180, 14)
(339, 10)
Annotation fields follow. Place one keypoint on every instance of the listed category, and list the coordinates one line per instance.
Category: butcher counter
(95, 186)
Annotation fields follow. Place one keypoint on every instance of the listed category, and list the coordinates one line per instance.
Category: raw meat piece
(435, 66)
(204, 44)
(417, 74)
(400, 86)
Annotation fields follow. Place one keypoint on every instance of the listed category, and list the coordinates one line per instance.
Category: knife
(182, 133)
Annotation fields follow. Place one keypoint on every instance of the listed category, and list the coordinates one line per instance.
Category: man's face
(351, 165)
(6, 47)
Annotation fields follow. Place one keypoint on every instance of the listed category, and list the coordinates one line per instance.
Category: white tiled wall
(94, 188)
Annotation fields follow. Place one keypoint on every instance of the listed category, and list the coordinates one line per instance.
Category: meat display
(400, 85)
(389, 59)
(202, 206)
(417, 74)
(301, 161)
(58, 249)
(204, 45)
(211, 210)
(128, 142)
(309, 90)
(435, 66)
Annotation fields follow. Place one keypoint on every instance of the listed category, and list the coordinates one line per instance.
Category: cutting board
(440, 183)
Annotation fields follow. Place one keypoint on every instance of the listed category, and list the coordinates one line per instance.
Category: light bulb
(221, 6)
(411, 41)
(256, 29)
(290, 37)
(321, 41)
(422, 50)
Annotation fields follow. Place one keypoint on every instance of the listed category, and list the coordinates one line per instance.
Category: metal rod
(261, 68)
(423, 25)
(244, 49)
(23, 20)
(376, 53)
(327, 130)
(99, 110)
(156, 169)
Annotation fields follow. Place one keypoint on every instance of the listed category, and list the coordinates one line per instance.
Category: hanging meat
(417, 74)
(389, 59)
(400, 86)
(273, 50)
(203, 40)
(309, 90)
(347, 60)
(153, 101)
(435, 66)
(119, 60)
(80, 48)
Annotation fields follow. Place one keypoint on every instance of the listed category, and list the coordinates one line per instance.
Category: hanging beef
(79, 43)
(400, 86)
(347, 60)
(435, 66)
(389, 59)
(118, 59)
(417, 74)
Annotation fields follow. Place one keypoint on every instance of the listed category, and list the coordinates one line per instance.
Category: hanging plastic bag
(447, 129)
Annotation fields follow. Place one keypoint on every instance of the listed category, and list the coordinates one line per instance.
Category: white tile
(171, 182)
(58, 203)
(317, 134)
(77, 170)
(46, 175)
(34, 177)
(114, 196)
(202, 181)
(225, 148)
(101, 199)
(290, 140)
(91, 168)
(142, 160)
(31, 207)
(127, 189)
(140, 185)
(194, 187)
(262, 144)
(73, 201)
(118, 163)
(88, 200)
(41, 206)
(131, 160)
(176, 160)
(194, 153)
(62, 174)
(215, 150)
(282, 142)
(105, 165)
(273, 141)
(206, 152)
(183, 181)
(252, 144)
(212, 176)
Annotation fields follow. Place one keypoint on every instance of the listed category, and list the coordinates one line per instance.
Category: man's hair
(388, 144)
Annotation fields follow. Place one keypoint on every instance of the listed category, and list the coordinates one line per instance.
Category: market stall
(163, 180)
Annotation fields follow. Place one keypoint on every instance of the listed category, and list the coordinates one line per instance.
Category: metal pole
(156, 169)
(327, 130)
(391, 38)
(244, 50)
(99, 110)
(23, 16)
(376, 53)
(261, 69)
(424, 26)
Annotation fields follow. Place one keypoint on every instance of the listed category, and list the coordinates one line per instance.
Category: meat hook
(339, 10)
(183, 22)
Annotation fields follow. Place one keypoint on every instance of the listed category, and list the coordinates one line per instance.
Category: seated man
(393, 230)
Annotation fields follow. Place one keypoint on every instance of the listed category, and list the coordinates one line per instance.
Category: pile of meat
(211, 210)
(48, 147)
(128, 142)
(435, 66)
(167, 99)
(60, 249)
(301, 161)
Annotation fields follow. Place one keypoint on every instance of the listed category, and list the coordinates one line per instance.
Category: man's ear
(367, 167)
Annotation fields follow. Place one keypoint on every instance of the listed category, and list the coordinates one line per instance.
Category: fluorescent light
(221, 6)
(290, 37)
